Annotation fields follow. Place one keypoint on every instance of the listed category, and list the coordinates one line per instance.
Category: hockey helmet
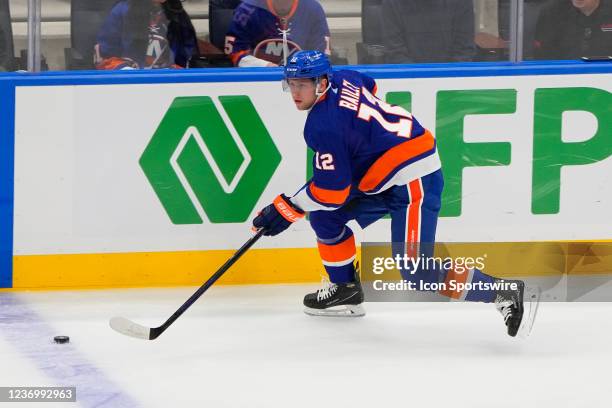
(308, 64)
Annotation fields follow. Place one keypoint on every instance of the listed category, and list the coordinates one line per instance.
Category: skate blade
(337, 311)
(531, 303)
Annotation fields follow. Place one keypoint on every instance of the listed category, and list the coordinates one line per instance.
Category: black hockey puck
(61, 339)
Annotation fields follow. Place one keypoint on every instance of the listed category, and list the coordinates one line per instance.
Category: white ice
(252, 346)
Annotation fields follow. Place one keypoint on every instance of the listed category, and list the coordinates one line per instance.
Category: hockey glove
(278, 216)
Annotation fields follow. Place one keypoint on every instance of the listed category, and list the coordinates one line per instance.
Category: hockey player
(371, 159)
(265, 32)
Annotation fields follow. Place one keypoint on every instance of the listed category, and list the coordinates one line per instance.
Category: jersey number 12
(324, 161)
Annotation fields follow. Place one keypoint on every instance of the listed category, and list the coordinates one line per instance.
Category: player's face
(303, 92)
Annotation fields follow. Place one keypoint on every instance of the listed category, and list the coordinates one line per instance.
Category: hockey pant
(414, 212)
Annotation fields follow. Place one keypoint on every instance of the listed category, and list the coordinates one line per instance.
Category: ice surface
(252, 346)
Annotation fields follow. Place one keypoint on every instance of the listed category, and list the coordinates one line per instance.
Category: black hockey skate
(343, 299)
(510, 303)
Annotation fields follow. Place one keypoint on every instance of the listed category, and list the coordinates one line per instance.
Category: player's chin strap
(320, 94)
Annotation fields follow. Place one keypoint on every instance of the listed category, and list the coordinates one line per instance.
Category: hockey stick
(129, 328)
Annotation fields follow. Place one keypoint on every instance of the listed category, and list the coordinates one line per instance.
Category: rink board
(151, 179)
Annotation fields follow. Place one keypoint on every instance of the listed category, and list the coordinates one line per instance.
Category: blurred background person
(4, 55)
(261, 29)
(428, 31)
(146, 34)
(570, 29)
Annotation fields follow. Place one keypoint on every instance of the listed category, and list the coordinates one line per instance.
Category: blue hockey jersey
(362, 144)
(257, 30)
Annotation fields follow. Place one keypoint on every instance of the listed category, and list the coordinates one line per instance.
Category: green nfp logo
(550, 152)
(210, 159)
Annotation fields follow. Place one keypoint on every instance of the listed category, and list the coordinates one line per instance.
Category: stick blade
(129, 328)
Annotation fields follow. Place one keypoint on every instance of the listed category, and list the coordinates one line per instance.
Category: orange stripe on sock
(343, 251)
(414, 218)
(459, 277)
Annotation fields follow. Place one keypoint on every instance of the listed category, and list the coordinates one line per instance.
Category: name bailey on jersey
(349, 96)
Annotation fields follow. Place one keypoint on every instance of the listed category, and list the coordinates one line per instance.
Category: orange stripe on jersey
(343, 251)
(393, 158)
(115, 63)
(459, 277)
(294, 7)
(236, 56)
(375, 89)
(326, 196)
(413, 224)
